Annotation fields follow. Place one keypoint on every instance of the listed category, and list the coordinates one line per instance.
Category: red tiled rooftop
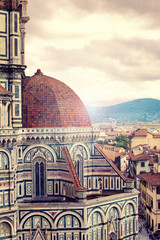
(108, 146)
(48, 102)
(141, 132)
(72, 169)
(156, 135)
(139, 157)
(111, 155)
(151, 177)
(140, 145)
(102, 151)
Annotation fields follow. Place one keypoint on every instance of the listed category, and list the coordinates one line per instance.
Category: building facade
(150, 198)
(143, 136)
(56, 183)
(138, 164)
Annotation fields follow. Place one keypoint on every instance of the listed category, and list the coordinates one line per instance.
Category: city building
(117, 155)
(56, 183)
(150, 198)
(143, 136)
(138, 164)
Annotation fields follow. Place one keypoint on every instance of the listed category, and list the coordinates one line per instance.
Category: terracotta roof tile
(111, 155)
(139, 157)
(141, 132)
(151, 177)
(111, 162)
(140, 145)
(48, 102)
(72, 169)
(108, 146)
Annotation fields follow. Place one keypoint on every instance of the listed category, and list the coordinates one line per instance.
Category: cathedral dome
(48, 102)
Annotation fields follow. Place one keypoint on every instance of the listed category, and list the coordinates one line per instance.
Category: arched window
(129, 222)
(4, 161)
(96, 227)
(35, 221)
(79, 167)
(39, 177)
(114, 216)
(113, 213)
(129, 209)
(5, 230)
(69, 222)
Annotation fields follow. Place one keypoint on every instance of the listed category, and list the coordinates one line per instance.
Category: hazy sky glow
(107, 51)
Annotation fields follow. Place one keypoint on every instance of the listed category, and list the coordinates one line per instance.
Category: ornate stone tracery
(39, 151)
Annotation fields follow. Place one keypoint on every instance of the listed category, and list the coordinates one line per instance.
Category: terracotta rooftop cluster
(139, 157)
(150, 177)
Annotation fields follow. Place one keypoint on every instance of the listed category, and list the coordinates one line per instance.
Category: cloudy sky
(107, 51)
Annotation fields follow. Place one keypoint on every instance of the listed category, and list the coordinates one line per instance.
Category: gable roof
(111, 155)
(141, 132)
(111, 162)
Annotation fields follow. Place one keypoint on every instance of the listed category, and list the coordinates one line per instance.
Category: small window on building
(117, 183)
(15, 23)
(142, 172)
(16, 47)
(20, 189)
(16, 91)
(158, 190)
(57, 188)
(39, 177)
(89, 183)
(158, 205)
(158, 225)
(106, 182)
(19, 152)
(16, 109)
(142, 164)
(96, 183)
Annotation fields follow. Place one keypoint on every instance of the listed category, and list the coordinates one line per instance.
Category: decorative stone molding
(49, 135)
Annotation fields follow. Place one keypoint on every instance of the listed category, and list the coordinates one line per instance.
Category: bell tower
(13, 17)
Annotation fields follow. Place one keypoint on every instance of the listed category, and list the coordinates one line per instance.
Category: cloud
(110, 46)
(123, 60)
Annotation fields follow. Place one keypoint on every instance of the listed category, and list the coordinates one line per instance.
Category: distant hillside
(143, 110)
